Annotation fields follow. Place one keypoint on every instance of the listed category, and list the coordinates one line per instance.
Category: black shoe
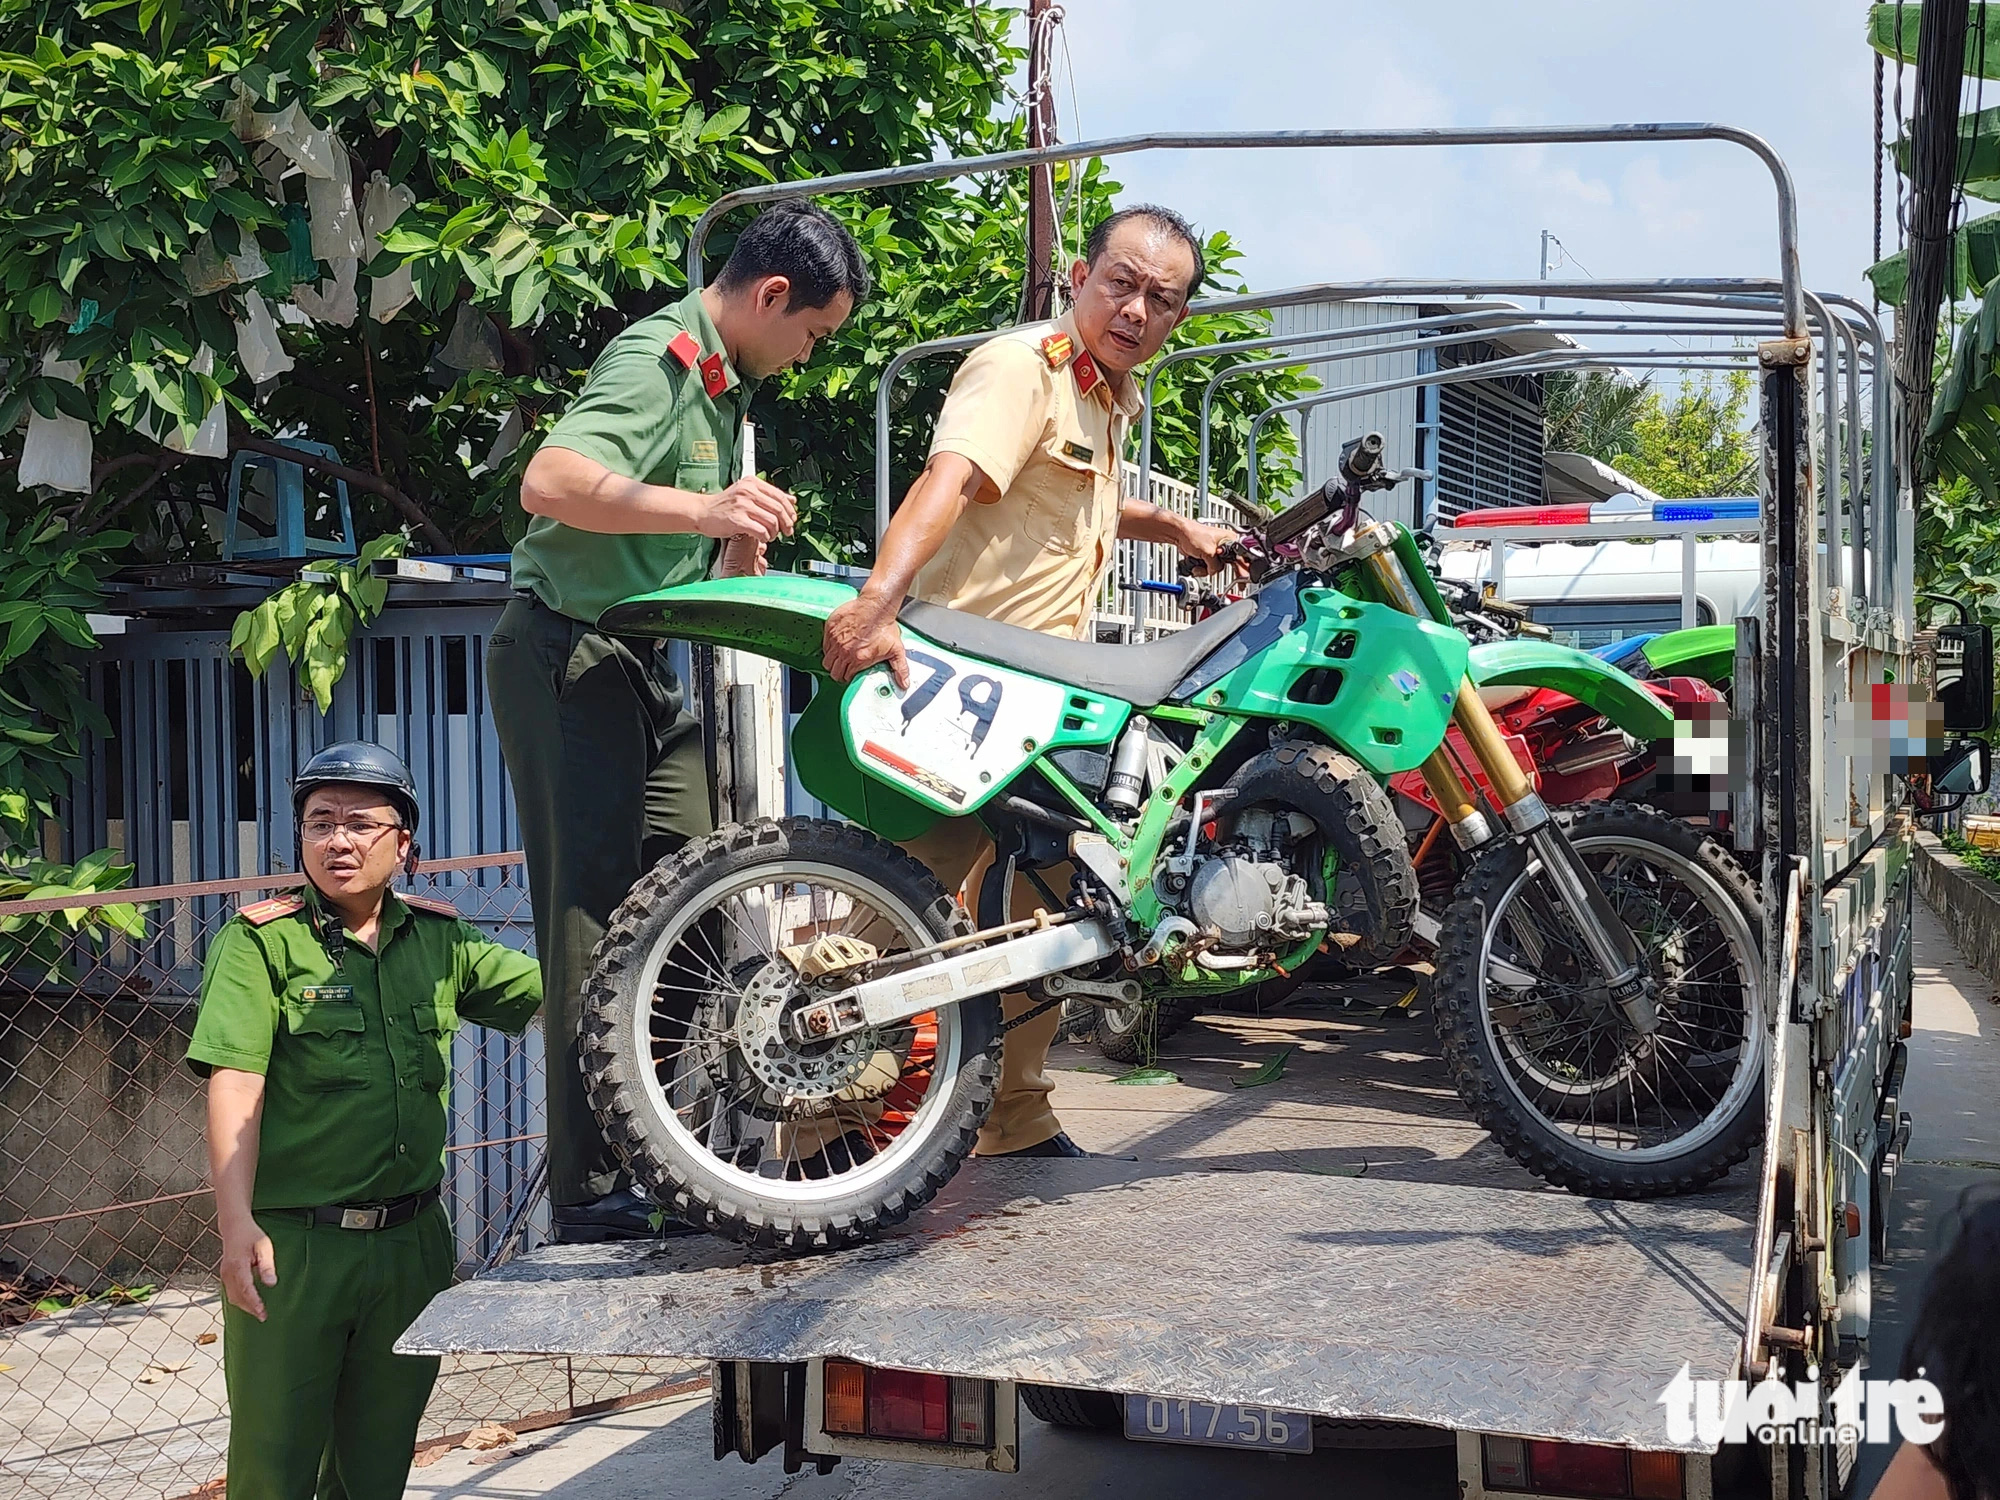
(847, 1153)
(1058, 1144)
(623, 1215)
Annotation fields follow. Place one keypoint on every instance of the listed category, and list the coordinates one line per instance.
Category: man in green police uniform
(325, 1034)
(625, 496)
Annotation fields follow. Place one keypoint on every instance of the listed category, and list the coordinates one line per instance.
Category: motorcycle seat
(1141, 675)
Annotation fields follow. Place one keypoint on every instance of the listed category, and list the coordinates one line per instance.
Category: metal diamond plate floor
(1241, 1260)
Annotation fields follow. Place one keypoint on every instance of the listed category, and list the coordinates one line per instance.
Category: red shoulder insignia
(712, 379)
(1087, 378)
(1056, 348)
(257, 913)
(685, 349)
(430, 904)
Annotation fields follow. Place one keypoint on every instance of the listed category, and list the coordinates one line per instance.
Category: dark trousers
(609, 778)
(319, 1403)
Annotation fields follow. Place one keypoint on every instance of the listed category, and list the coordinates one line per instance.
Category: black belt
(370, 1215)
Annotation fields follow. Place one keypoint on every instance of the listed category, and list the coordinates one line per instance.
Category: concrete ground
(1953, 1079)
(127, 1403)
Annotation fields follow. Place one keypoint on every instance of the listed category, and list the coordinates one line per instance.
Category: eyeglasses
(358, 830)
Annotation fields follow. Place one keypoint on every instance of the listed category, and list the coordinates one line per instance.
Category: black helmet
(357, 763)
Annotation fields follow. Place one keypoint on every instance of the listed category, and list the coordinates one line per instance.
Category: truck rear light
(1656, 1476)
(909, 1415)
(846, 1397)
(906, 1404)
(1506, 1463)
(1578, 1469)
(971, 1412)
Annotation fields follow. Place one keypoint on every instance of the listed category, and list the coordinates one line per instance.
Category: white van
(1592, 593)
(1602, 572)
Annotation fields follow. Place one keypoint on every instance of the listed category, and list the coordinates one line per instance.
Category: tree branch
(359, 479)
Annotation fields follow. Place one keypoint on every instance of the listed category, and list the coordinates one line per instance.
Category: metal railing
(1791, 285)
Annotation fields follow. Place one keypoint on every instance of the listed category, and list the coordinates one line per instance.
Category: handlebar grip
(1226, 556)
(1361, 458)
(1154, 586)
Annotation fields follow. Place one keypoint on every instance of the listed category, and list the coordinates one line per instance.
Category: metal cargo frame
(1837, 619)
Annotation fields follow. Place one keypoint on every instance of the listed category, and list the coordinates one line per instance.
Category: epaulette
(1056, 349)
(685, 348)
(257, 913)
(430, 904)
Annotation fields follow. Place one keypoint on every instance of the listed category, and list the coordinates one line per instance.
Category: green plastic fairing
(819, 755)
(1588, 679)
(1377, 682)
(781, 615)
(1704, 651)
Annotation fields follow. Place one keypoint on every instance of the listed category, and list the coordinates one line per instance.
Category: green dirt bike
(792, 1029)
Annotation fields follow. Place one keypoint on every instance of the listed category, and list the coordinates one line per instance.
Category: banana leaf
(1964, 431)
(1978, 168)
(1975, 263)
(1982, 36)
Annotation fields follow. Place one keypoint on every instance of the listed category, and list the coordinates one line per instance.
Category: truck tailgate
(1443, 1286)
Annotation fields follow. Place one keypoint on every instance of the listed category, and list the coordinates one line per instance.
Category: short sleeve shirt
(662, 405)
(1032, 410)
(355, 1055)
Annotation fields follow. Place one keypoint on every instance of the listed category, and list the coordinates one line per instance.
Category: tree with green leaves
(405, 230)
(1691, 444)
(547, 163)
(1592, 411)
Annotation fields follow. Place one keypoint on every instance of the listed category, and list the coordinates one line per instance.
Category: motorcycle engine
(1244, 891)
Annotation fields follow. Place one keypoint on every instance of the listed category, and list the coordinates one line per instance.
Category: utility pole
(1933, 186)
(1545, 266)
(1039, 302)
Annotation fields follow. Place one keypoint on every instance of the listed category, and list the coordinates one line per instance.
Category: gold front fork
(1603, 931)
(1503, 773)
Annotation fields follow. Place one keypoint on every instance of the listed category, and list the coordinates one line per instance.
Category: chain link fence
(110, 1312)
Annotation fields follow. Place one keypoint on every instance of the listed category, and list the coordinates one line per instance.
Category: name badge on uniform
(1079, 452)
(327, 994)
(702, 451)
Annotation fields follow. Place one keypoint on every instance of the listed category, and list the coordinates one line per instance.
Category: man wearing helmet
(325, 1034)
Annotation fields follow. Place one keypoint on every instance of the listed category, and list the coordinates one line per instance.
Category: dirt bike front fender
(1704, 651)
(1620, 697)
(781, 615)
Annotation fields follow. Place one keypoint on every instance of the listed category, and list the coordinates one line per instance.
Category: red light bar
(1524, 515)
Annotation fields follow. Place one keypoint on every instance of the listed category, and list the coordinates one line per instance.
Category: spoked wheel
(698, 1079)
(1546, 1061)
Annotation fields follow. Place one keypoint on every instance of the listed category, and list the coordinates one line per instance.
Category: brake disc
(790, 1069)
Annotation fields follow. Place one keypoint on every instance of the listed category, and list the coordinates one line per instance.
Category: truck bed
(1342, 1241)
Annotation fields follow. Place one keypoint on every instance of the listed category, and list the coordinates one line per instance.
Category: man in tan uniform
(1014, 518)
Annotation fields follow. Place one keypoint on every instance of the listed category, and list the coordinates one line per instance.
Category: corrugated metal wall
(1394, 414)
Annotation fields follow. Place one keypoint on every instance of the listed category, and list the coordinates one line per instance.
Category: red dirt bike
(1571, 753)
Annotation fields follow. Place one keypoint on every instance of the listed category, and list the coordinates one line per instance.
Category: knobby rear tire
(689, 1183)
